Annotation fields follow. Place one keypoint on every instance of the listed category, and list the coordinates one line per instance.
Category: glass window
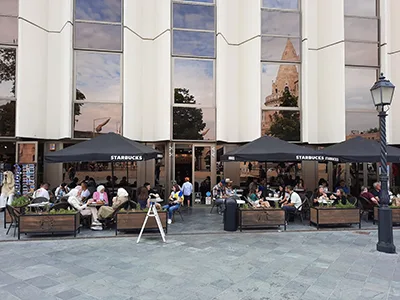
(7, 72)
(98, 36)
(9, 30)
(362, 123)
(98, 76)
(361, 29)
(281, 4)
(98, 10)
(193, 43)
(94, 118)
(365, 8)
(193, 16)
(9, 7)
(200, 1)
(281, 124)
(280, 85)
(280, 23)
(7, 118)
(278, 48)
(193, 82)
(191, 123)
(358, 83)
(362, 54)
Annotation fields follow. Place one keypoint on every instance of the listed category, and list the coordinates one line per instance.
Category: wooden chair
(365, 206)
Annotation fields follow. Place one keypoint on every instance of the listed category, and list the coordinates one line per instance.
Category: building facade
(193, 78)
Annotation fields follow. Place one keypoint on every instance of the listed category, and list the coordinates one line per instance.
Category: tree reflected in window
(7, 118)
(7, 72)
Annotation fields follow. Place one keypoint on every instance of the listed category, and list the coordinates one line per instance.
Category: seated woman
(300, 185)
(100, 196)
(175, 201)
(256, 198)
(107, 211)
(339, 197)
(319, 194)
(76, 201)
(283, 195)
(61, 191)
(143, 197)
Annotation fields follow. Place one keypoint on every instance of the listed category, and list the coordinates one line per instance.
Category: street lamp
(382, 95)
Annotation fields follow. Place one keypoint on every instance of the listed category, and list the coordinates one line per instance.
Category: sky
(283, 4)
(272, 47)
(9, 7)
(9, 36)
(98, 10)
(98, 36)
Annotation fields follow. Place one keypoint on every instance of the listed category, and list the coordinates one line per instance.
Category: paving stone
(68, 294)
(42, 282)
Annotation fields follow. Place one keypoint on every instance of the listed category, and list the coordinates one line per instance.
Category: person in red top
(367, 195)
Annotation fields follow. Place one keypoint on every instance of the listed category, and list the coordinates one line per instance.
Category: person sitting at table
(75, 200)
(342, 186)
(257, 199)
(369, 196)
(339, 196)
(143, 197)
(107, 211)
(43, 191)
(283, 195)
(100, 196)
(83, 193)
(219, 195)
(376, 191)
(293, 203)
(300, 185)
(319, 194)
(175, 201)
(61, 191)
(229, 192)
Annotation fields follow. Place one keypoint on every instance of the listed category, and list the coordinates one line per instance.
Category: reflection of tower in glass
(287, 77)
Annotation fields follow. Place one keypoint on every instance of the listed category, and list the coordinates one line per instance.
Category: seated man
(219, 196)
(43, 191)
(342, 185)
(369, 196)
(293, 203)
(376, 191)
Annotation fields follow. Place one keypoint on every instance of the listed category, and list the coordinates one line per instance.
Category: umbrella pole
(112, 180)
(127, 172)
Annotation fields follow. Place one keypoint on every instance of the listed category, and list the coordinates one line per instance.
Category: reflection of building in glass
(366, 135)
(287, 77)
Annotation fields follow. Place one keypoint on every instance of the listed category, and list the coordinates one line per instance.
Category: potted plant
(130, 220)
(50, 222)
(339, 214)
(260, 217)
(19, 204)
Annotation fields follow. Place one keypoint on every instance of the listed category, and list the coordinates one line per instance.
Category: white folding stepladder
(152, 212)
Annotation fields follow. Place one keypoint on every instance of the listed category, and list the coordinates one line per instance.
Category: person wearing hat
(187, 190)
(228, 187)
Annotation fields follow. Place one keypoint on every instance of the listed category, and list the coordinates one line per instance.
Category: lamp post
(382, 95)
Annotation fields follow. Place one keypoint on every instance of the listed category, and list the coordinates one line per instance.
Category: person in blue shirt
(342, 186)
(187, 190)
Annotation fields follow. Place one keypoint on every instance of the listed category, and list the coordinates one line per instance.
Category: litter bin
(230, 215)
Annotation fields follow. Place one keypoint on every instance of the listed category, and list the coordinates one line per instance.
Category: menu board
(17, 179)
(25, 178)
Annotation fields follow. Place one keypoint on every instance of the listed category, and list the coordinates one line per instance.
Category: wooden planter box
(395, 215)
(7, 217)
(46, 223)
(334, 216)
(261, 218)
(127, 221)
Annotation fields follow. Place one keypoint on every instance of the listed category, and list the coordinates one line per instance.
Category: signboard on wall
(27, 152)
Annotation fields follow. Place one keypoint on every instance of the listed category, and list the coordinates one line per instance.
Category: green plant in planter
(20, 202)
(62, 212)
(138, 207)
(346, 205)
(246, 206)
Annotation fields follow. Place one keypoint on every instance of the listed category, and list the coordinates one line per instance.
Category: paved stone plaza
(290, 265)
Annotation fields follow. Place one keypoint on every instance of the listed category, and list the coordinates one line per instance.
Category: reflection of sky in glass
(9, 7)
(8, 30)
(98, 76)
(193, 16)
(97, 36)
(92, 111)
(360, 8)
(209, 120)
(282, 4)
(280, 23)
(272, 47)
(98, 10)
(197, 77)
(268, 75)
(193, 43)
(358, 83)
(361, 29)
(361, 121)
(361, 54)
(6, 86)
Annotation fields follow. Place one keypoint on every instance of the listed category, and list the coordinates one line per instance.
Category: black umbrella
(360, 150)
(268, 148)
(109, 147)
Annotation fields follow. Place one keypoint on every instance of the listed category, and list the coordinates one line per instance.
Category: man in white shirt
(293, 203)
(43, 191)
(187, 190)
